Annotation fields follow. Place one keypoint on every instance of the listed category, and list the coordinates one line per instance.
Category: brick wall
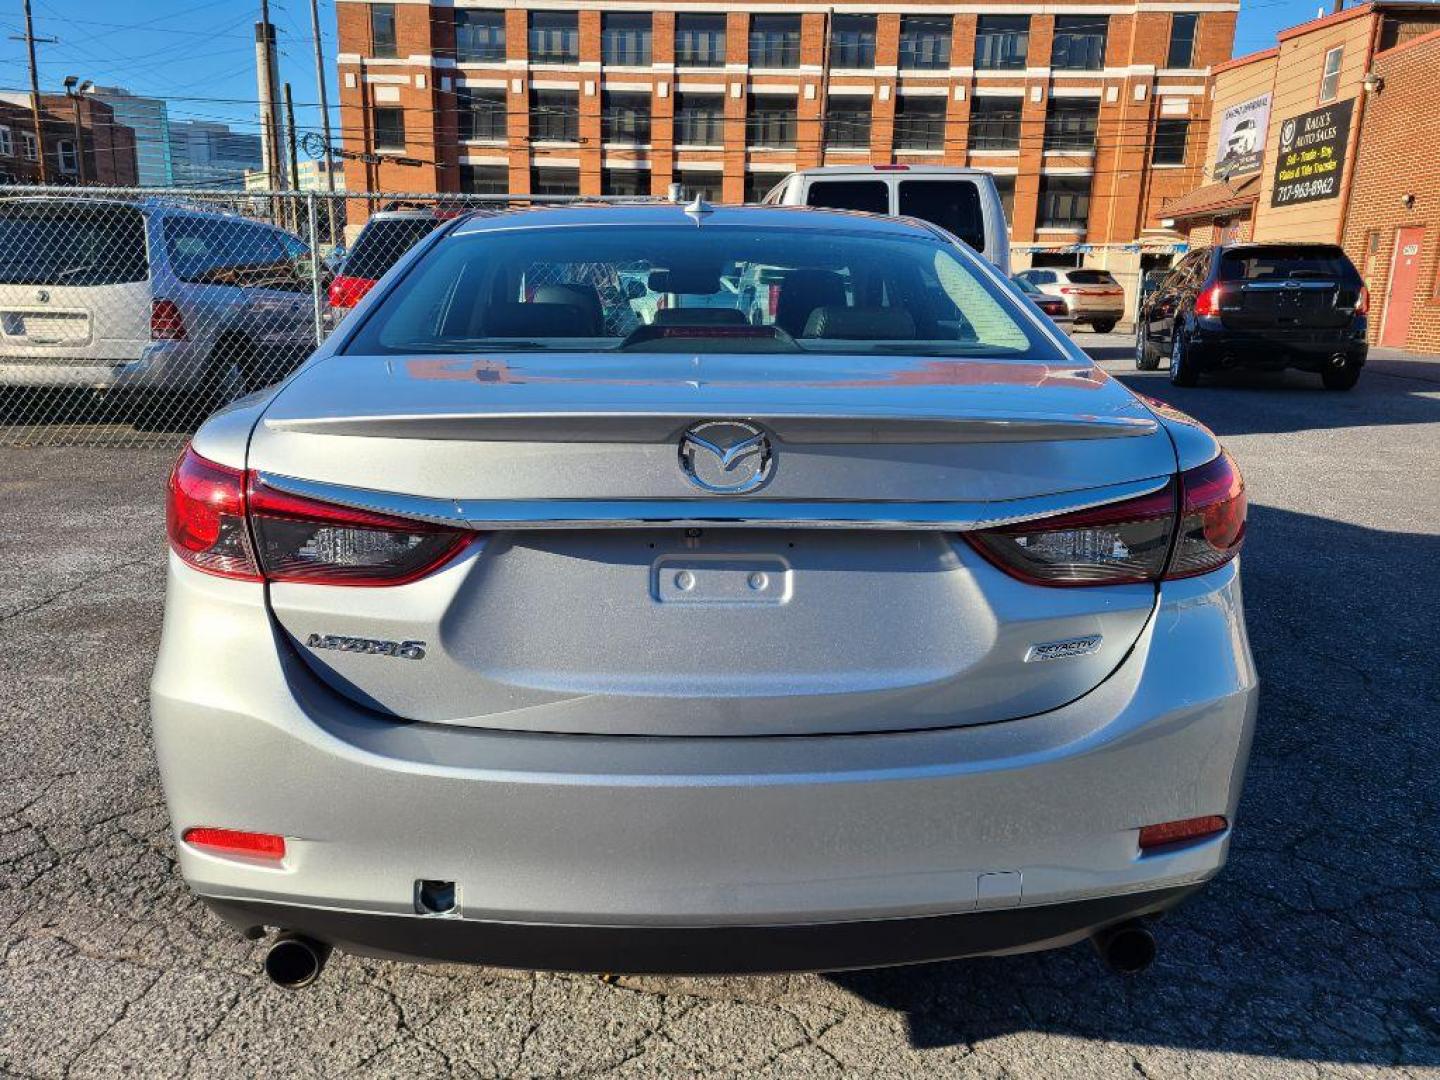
(1390, 165)
(1135, 90)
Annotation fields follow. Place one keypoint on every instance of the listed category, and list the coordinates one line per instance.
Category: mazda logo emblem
(727, 457)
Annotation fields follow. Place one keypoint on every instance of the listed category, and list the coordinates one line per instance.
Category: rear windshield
(871, 196)
(1287, 261)
(382, 242)
(44, 244)
(954, 205)
(1090, 277)
(717, 289)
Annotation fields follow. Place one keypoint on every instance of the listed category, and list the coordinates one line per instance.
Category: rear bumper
(159, 365)
(630, 838)
(702, 950)
(1216, 346)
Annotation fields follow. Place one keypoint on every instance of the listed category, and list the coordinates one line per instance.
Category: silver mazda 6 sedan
(660, 589)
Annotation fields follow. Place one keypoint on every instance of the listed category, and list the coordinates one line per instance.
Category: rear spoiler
(856, 426)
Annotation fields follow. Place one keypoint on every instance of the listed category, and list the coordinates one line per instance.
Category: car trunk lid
(1287, 288)
(606, 593)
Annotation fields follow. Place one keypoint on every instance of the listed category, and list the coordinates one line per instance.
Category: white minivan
(964, 202)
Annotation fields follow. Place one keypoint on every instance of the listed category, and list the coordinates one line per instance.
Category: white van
(964, 202)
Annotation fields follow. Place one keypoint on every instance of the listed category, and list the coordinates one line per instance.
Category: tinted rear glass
(722, 289)
(1090, 277)
(954, 205)
(1290, 261)
(381, 244)
(71, 245)
(871, 196)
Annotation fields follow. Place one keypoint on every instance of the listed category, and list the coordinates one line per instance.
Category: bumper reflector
(1176, 832)
(234, 842)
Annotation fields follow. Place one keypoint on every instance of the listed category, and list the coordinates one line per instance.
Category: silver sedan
(659, 589)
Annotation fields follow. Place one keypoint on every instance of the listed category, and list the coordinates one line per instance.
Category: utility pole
(35, 96)
(290, 154)
(267, 79)
(324, 98)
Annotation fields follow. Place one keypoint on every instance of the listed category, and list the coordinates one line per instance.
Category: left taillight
(226, 523)
(1135, 540)
(205, 518)
(304, 540)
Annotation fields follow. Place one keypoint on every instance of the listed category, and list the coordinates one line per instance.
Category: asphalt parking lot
(1316, 954)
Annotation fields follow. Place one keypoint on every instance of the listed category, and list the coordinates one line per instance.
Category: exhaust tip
(1127, 949)
(294, 962)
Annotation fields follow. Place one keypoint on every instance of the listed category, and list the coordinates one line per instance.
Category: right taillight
(346, 292)
(166, 322)
(1362, 302)
(1136, 540)
(1212, 521)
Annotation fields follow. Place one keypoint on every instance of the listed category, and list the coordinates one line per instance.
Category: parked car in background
(963, 202)
(149, 295)
(386, 236)
(882, 629)
(1093, 297)
(1263, 306)
(1053, 306)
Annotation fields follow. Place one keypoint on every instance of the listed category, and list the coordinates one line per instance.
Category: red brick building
(103, 153)
(1392, 228)
(1089, 115)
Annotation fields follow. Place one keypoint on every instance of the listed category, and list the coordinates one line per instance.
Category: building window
(852, 41)
(626, 117)
(1330, 81)
(382, 32)
(758, 185)
(1002, 42)
(700, 40)
(481, 112)
(479, 36)
(555, 115)
(1169, 145)
(1005, 186)
(919, 122)
(1064, 202)
(554, 181)
(847, 123)
(625, 182)
(699, 120)
(697, 184)
(389, 129)
(485, 179)
(924, 43)
(625, 38)
(66, 157)
(29, 148)
(1182, 40)
(774, 41)
(995, 123)
(771, 121)
(7, 142)
(1070, 124)
(554, 37)
(1079, 42)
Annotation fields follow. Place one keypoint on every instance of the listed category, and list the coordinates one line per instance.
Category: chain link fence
(129, 315)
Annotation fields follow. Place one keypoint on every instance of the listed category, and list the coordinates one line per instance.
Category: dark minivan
(1263, 306)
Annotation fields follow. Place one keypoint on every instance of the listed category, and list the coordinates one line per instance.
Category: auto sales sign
(1312, 155)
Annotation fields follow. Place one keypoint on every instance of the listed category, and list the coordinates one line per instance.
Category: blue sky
(200, 55)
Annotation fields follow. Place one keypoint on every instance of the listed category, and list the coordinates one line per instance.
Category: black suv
(1267, 306)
